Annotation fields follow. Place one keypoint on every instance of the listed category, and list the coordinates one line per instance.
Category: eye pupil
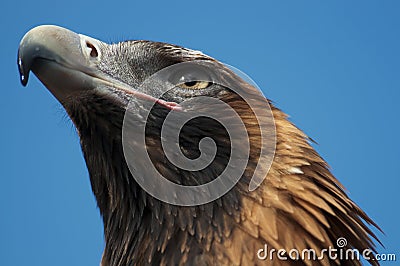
(190, 83)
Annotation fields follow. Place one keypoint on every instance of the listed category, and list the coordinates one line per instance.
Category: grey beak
(63, 60)
(67, 64)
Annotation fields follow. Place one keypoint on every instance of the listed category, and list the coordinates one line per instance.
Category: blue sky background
(332, 66)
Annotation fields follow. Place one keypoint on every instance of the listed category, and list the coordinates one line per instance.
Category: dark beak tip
(23, 75)
(24, 80)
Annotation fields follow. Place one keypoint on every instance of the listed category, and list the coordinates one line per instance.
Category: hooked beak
(66, 63)
(63, 60)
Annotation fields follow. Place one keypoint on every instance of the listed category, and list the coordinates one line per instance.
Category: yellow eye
(195, 85)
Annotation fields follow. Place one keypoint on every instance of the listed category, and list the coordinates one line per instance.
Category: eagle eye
(194, 77)
(197, 85)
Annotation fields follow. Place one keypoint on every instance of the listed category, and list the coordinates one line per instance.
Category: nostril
(93, 51)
